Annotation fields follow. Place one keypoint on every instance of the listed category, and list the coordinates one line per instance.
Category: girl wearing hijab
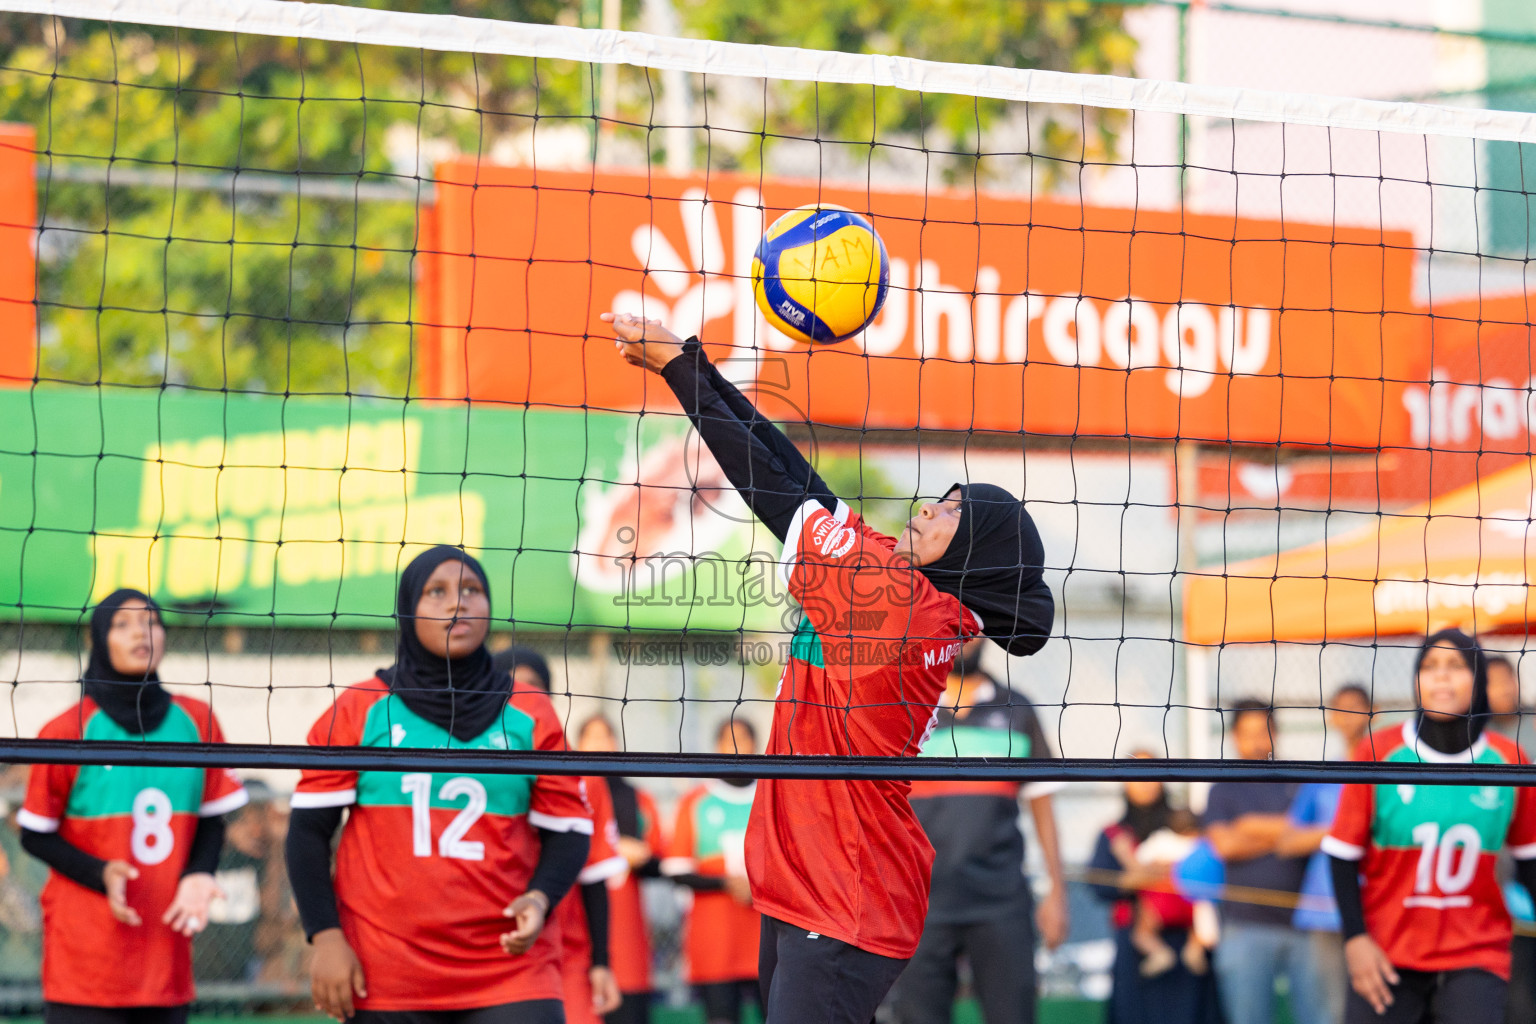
(442, 882)
(132, 849)
(1426, 932)
(840, 869)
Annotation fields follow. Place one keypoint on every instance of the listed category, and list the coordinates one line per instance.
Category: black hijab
(1454, 735)
(994, 565)
(136, 702)
(510, 660)
(462, 695)
(1141, 820)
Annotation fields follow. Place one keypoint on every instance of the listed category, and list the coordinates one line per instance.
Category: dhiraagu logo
(294, 507)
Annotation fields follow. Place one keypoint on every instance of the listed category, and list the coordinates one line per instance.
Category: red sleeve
(1350, 836)
(340, 726)
(559, 801)
(603, 860)
(222, 789)
(49, 785)
(680, 858)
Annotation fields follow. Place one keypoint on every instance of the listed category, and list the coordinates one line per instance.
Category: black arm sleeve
(207, 844)
(796, 466)
(700, 883)
(757, 460)
(650, 869)
(562, 855)
(66, 858)
(1346, 892)
(1525, 874)
(308, 852)
(594, 898)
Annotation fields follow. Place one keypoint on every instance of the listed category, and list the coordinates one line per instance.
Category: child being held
(1159, 909)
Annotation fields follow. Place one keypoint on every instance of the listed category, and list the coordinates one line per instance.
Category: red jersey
(629, 945)
(710, 839)
(603, 863)
(1428, 854)
(866, 669)
(428, 862)
(142, 815)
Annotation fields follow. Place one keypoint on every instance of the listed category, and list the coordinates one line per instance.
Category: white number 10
(451, 843)
(1438, 862)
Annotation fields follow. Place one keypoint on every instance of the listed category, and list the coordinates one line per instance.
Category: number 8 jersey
(1427, 855)
(428, 862)
(142, 815)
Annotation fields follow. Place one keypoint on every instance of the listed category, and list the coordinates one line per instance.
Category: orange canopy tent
(1464, 559)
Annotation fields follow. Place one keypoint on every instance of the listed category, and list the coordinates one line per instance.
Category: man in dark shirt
(980, 905)
(1244, 821)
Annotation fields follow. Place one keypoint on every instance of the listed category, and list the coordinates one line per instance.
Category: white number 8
(152, 838)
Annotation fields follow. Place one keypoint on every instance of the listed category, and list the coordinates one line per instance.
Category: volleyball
(820, 274)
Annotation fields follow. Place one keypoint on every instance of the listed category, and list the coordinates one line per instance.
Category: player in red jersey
(591, 990)
(840, 869)
(708, 855)
(1426, 931)
(133, 849)
(443, 882)
(640, 844)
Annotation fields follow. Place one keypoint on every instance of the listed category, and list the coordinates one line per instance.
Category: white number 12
(451, 843)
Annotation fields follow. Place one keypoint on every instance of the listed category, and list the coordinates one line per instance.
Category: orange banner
(18, 273)
(1004, 314)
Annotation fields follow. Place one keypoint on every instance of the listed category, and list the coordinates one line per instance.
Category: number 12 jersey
(1427, 855)
(428, 862)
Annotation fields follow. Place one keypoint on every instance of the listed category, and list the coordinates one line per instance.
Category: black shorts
(808, 978)
(74, 1013)
(1001, 952)
(635, 1009)
(1448, 997)
(724, 1000)
(534, 1011)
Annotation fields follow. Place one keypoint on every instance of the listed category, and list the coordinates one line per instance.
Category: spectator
(1244, 822)
(1176, 996)
(1348, 721)
(981, 906)
(227, 950)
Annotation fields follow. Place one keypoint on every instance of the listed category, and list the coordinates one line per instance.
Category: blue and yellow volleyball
(821, 274)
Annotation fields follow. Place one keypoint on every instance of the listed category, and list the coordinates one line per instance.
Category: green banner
(249, 509)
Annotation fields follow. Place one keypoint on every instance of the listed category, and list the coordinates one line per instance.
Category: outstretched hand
(642, 342)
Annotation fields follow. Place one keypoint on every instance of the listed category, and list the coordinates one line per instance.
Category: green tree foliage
(147, 275)
(1058, 35)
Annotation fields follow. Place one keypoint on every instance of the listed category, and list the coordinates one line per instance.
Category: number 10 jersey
(428, 862)
(1428, 853)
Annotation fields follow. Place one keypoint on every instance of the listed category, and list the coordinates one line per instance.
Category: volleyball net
(292, 291)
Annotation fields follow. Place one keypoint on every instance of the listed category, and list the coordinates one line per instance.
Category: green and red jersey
(866, 669)
(1428, 853)
(427, 862)
(145, 816)
(570, 916)
(710, 839)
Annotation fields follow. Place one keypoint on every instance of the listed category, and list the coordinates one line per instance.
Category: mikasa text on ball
(820, 274)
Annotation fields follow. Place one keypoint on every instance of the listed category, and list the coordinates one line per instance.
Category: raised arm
(762, 464)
